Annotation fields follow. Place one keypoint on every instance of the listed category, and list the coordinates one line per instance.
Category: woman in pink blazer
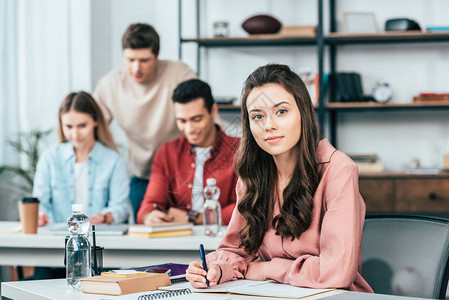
(299, 214)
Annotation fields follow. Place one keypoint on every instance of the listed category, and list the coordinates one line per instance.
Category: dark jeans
(47, 273)
(137, 188)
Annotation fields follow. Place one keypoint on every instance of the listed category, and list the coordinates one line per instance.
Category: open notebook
(253, 288)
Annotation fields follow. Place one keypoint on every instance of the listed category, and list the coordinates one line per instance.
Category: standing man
(138, 97)
(181, 167)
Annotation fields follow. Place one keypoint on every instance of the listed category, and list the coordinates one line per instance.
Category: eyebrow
(274, 106)
(78, 124)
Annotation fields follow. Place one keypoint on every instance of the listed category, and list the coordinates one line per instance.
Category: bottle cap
(77, 207)
(211, 181)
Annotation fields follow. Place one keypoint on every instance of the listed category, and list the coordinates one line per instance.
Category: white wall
(398, 137)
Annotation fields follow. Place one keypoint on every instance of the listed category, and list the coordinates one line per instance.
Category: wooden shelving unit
(382, 191)
(374, 106)
(336, 39)
(326, 109)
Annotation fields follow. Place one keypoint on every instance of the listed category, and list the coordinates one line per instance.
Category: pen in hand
(203, 259)
(159, 209)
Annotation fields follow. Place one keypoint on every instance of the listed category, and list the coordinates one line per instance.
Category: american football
(261, 24)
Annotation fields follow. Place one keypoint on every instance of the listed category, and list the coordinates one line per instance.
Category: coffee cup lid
(29, 200)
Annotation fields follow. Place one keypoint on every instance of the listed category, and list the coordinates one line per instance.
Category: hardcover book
(160, 227)
(108, 285)
(162, 233)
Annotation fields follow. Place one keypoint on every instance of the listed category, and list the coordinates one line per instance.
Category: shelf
(387, 37)
(367, 106)
(228, 107)
(333, 38)
(235, 108)
(255, 40)
(373, 106)
(403, 175)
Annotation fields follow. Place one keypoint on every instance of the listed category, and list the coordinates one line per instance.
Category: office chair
(406, 255)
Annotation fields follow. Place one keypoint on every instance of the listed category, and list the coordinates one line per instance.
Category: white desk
(120, 251)
(57, 289)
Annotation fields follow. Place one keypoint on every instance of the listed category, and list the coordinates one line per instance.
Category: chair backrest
(406, 254)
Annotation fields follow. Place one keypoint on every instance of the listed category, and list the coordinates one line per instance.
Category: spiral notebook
(176, 294)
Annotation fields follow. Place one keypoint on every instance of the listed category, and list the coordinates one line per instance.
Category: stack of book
(431, 97)
(122, 282)
(367, 163)
(161, 230)
(298, 31)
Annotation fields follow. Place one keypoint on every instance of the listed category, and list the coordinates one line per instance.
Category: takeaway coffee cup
(28, 212)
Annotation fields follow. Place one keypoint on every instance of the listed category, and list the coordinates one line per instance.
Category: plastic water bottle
(212, 208)
(78, 247)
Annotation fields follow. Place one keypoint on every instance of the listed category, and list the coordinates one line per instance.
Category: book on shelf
(163, 227)
(253, 288)
(367, 163)
(422, 170)
(162, 233)
(430, 97)
(369, 167)
(108, 285)
(365, 157)
(298, 31)
(440, 29)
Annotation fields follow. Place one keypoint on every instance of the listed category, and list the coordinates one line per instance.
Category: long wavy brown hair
(84, 103)
(257, 170)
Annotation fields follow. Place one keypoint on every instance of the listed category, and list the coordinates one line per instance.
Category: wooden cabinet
(405, 193)
(378, 194)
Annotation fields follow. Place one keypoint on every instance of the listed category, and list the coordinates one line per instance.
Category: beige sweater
(144, 111)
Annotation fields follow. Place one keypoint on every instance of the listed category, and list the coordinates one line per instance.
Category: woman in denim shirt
(84, 168)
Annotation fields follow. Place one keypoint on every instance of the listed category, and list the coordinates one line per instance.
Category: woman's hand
(256, 270)
(156, 217)
(96, 219)
(196, 275)
(100, 218)
(177, 214)
(42, 219)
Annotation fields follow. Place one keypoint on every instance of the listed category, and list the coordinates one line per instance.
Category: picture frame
(359, 22)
